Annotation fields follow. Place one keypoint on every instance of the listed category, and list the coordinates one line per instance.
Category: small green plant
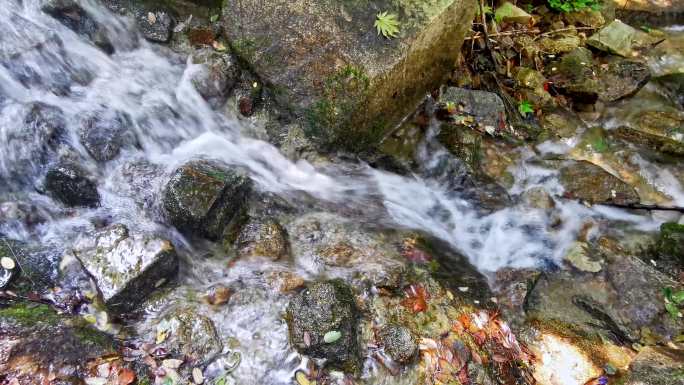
(672, 301)
(525, 107)
(387, 24)
(574, 5)
(487, 10)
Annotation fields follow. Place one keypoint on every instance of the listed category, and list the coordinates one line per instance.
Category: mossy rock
(327, 64)
(671, 241)
(203, 197)
(35, 337)
(322, 322)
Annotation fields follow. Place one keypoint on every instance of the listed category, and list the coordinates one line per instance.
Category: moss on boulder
(326, 63)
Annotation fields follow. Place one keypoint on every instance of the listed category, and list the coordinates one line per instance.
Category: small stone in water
(172, 363)
(7, 263)
(332, 336)
(197, 376)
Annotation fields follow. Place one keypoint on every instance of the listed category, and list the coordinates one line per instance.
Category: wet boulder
(216, 75)
(69, 184)
(126, 267)
(203, 197)
(37, 343)
(328, 65)
(103, 133)
(156, 25)
(657, 130)
(398, 343)
(75, 17)
(590, 183)
(190, 334)
(620, 302)
(322, 323)
(574, 76)
(265, 238)
(36, 269)
(621, 78)
(33, 143)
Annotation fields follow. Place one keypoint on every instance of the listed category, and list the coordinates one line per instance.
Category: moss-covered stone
(203, 197)
(322, 310)
(671, 241)
(35, 338)
(328, 66)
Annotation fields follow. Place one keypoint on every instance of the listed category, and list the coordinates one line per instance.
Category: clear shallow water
(173, 124)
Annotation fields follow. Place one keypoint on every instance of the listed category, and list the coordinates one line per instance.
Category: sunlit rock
(560, 362)
(126, 267)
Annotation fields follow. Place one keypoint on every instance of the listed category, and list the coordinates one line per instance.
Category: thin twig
(528, 32)
(639, 206)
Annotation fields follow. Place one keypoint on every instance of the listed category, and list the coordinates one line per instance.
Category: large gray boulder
(203, 197)
(322, 323)
(126, 267)
(327, 64)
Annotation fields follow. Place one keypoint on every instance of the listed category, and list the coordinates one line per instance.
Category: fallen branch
(528, 32)
(639, 206)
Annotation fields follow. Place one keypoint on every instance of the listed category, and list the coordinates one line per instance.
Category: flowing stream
(51, 64)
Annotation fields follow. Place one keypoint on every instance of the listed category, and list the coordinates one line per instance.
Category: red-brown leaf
(126, 376)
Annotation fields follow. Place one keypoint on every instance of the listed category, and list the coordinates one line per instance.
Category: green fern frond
(387, 24)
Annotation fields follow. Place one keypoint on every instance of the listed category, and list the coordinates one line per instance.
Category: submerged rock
(69, 184)
(218, 74)
(103, 133)
(126, 267)
(37, 343)
(399, 343)
(265, 238)
(34, 142)
(72, 15)
(36, 269)
(328, 65)
(322, 322)
(191, 334)
(590, 183)
(203, 197)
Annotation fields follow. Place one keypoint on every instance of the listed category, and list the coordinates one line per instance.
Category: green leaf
(525, 107)
(503, 11)
(678, 297)
(214, 18)
(332, 336)
(672, 309)
(387, 24)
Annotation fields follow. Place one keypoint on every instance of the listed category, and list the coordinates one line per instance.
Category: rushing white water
(51, 64)
(173, 123)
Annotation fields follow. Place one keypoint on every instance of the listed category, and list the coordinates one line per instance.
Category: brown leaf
(126, 376)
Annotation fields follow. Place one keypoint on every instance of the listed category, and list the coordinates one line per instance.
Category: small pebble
(7, 263)
(197, 376)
